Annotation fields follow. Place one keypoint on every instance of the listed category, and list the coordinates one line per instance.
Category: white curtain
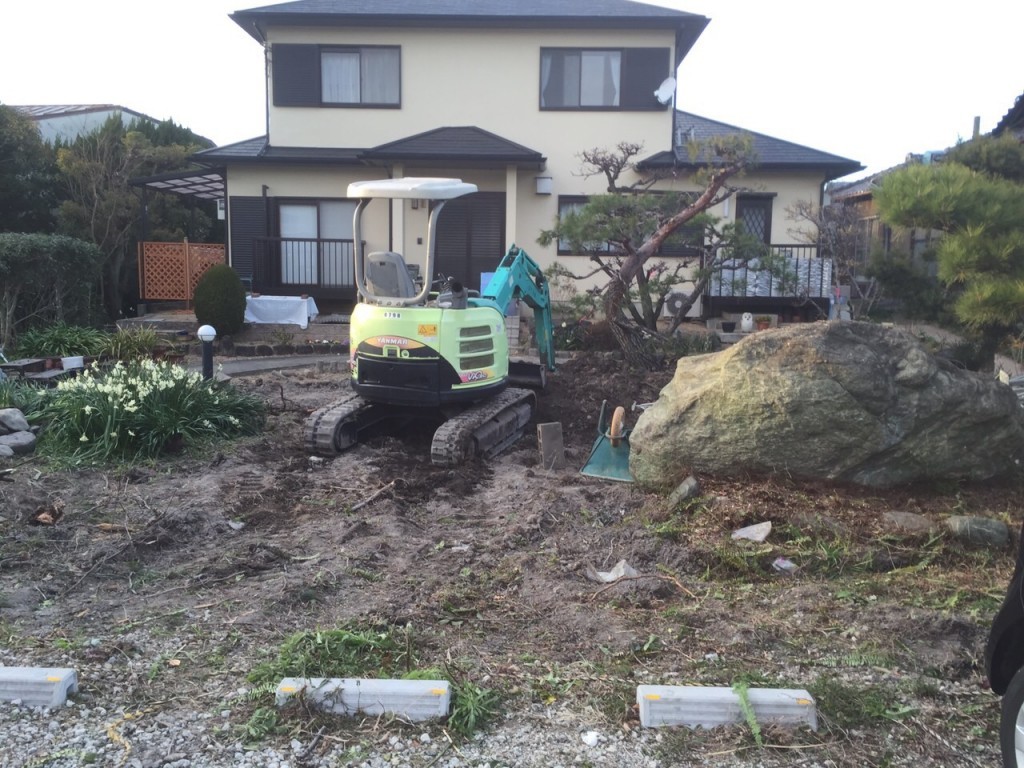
(298, 259)
(339, 76)
(380, 75)
(336, 224)
(600, 72)
(560, 79)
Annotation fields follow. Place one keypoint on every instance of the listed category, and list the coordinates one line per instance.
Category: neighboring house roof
(44, 111)
(66, 122)
(772, 153)
(577, 14)
(1013, 121)
(859, 188)
(468, 145)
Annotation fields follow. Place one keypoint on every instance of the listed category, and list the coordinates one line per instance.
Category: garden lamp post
(206, 334)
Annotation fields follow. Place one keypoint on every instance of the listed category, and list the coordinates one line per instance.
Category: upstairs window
(359, 76)
(571, 79)
(336, 76)
(602, 78)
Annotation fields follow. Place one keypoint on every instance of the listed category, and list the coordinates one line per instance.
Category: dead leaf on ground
(48, 515)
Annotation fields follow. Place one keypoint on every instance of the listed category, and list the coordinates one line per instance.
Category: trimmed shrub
(220, 300)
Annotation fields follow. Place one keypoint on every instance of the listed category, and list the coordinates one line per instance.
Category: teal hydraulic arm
(520, 277)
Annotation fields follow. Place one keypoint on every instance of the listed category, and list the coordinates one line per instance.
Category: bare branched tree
(835, 229)
(624, 229)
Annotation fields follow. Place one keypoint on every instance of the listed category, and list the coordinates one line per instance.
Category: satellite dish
(666, 90)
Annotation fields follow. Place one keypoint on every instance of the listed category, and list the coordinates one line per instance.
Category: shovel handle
(618, 426)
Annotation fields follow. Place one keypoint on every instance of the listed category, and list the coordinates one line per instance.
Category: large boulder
(850, 402)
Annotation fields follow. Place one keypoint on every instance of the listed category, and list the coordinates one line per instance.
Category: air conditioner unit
(673, 303)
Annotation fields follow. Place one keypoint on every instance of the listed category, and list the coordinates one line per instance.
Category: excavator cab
(388, 275)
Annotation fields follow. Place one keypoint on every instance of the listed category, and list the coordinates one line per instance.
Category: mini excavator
(440, 356)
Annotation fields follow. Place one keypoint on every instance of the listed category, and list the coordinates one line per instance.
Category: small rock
(978, 530)
(909, 521)
(12, 420)
(424, 738)
(757, 532)
(590, 738)
(19, 442)
(784, 565)
(687, 489)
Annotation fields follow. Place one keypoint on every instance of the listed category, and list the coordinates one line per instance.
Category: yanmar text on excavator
(440, 357)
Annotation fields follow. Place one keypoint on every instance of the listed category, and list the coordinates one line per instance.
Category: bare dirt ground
(164, 585)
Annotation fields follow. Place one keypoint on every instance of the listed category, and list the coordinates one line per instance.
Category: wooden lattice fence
(170, 271)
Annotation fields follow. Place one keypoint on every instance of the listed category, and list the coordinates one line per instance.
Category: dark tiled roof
(463, 143)
(466, 145)
(773, 153)
(257, 150)
(864, 187)
(1012, 120)
(484, 9)
(618, 14)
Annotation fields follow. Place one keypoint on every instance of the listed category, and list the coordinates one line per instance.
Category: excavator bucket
(609, 458)
(522, 373)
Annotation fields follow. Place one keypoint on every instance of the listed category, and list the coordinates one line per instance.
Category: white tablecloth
(291, 310)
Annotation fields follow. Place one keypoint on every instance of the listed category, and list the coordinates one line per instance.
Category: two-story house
(498, 93)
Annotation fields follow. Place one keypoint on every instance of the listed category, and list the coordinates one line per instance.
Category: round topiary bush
(220, 300)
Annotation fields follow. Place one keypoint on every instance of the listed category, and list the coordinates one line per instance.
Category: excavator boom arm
(520, 277)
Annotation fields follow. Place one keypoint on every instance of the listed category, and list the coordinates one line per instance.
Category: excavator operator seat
(388, 276)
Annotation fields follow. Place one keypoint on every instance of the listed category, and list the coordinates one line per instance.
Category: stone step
(414, 700)
(37, 686)
(706, 707)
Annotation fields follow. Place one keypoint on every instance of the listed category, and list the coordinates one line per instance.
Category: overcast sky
(869, 80)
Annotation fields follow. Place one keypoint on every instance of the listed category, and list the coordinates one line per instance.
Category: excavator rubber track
(330, 430)
(484, 429)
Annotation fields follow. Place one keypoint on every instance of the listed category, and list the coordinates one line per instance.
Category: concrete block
(706, 707)
(551, 445)
(413, 700)
(37, 686)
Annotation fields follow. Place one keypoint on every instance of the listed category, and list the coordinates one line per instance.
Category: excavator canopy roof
(412, 188)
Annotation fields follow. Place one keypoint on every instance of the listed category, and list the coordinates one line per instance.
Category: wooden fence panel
(170, 271)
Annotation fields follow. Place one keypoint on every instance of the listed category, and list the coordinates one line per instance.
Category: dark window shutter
(248, 218)
(296, 75)
(643, 70)
(470, 237)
